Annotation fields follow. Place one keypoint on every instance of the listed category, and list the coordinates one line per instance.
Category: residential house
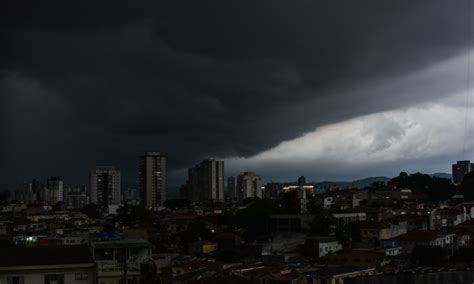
(47, 264)
(115, 258)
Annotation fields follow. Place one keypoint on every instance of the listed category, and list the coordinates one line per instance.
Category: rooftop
(336, 270)
(128, 243)
(420, 235)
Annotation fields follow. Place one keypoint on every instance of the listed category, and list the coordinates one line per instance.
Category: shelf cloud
(279, 86)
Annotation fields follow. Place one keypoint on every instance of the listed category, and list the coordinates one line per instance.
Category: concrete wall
(35, 276)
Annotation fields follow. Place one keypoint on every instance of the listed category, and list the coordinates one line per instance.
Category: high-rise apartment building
(205, 182)
(130, 194)
(153, 179)
(231, 188)
(29, 192)
(36, 189)
(273, 190)
(249, 185)
(75, 197)
(105, 186)
(55, 190)
(460, 169)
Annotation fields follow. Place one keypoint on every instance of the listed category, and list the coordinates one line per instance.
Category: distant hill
(370, 180)
(357, 183)
(442, 175)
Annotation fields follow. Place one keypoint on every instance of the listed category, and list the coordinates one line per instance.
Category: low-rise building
(334, 274)
(321, 246)
(393, 251)
(47, 264)
(203, 247)
(356, 258)
(413, 239)
(414, 222)
(382, 231)
(291, 222)
(345, 218)
(116, 258)
(447, 217)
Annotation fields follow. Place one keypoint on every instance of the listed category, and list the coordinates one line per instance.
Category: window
(54, 279)
(15, 280)
(81, 276)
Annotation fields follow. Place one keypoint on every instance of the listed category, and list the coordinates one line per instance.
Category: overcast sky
(330, 89)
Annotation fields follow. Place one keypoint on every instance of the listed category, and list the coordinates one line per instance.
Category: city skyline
(135, 184)
(249, 141)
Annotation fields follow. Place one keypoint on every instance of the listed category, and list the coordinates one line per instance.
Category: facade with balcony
(117, 260)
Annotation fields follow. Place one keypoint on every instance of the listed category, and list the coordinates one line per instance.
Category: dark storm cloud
(105, 81)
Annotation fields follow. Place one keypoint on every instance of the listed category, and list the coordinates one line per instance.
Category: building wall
(205, 181)
(463, 276)
(105, 186)
(231, 187)
(110, 268)
(153, 184)
(35, 275)
(347, 218)
(393, 251)
(328, 247)
(55, 190)
(273, 190)
(460, 169)
(249, 185)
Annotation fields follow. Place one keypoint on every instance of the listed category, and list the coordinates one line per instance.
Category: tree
(349, 233)
(92, 210)
(254, 219)
(197, 230)
(466, 254)
(378, 185)
(176, 203)
(290, 203)
(323, 223)
(440, 189)
(249, 200)
(436, 188)
(134, 216)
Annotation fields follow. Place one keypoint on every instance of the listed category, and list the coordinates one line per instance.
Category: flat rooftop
(129, 243)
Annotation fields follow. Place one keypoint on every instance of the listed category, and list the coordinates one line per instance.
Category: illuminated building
(153, 179)
(105, 186)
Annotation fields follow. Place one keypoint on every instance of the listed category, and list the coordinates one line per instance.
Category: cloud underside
(425, 138)
(321, 88)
